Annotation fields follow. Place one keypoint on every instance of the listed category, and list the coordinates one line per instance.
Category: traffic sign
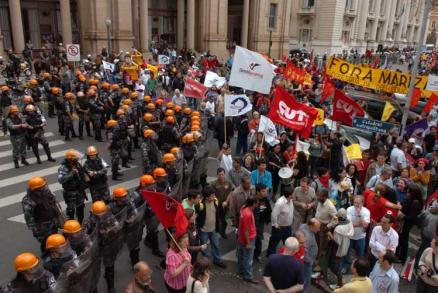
(73, 52)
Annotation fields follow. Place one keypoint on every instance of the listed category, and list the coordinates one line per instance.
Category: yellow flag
(353, 152)
(387, 111)
(154, 69)
(320, 118)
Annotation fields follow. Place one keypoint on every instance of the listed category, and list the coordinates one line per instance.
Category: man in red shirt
(246, 239)
(378, 205)
(299, 255)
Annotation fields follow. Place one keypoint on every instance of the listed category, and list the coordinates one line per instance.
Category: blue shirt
(384, 281)
(265, 179)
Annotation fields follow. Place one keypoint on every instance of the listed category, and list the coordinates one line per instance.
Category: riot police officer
(35, 91)
(96, 111)
(17, 129)
(83, 111)
(74, 181)
(189, 151)
(169, 164)
(78, 239)
(168, 135)
(114, 99)
(96, 169)
(68, 115)
(41, 210)
(150, 153)
(162, 184)
(58, 104)
(114, 137)
(31, 276)
(133, 226)
(122, 123)
(147, 182)
(5, 102)
(110, 235)
(104, 95)
(59, 255)
(36, 133)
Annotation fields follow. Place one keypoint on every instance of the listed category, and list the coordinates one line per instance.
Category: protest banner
(298, 75)
(373, 125)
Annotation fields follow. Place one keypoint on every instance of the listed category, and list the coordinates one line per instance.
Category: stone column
(191, 24)
(405, 21)
(245, 21)
(66, 21)
(16, 25)
(373, 35)
(2, 49)
(363, 19)
(180, 25)
(144, 22)
(386, 22)
(391, 19)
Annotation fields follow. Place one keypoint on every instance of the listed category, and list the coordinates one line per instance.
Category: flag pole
(225, 129)
(173, 239)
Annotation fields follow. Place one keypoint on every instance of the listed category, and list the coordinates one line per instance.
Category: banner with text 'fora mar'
(389, 81)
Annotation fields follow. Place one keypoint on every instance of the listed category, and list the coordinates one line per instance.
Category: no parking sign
(73, 52)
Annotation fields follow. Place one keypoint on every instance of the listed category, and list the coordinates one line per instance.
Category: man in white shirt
(385, 177)
(281, 219)
(383, 238)
(360, 218)
(398, 158)
(179, 99)
(384, 277)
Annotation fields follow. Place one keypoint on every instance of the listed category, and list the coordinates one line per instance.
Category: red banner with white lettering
(194, 89)
(345, 108)
(285, 110)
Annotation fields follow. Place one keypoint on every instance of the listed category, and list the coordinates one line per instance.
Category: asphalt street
(16, 238)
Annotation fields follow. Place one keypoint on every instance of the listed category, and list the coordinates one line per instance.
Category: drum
(285, 175)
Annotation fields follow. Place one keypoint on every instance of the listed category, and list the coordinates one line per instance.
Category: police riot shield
(111, 236)
(134, 226)
(82, 274)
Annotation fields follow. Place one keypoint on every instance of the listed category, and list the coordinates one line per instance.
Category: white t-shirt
(355, 217)
(197, 288)
(398, 157)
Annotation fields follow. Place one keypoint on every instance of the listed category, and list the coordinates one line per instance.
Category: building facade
(267, 26)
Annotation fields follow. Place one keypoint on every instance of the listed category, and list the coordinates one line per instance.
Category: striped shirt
(173, 261)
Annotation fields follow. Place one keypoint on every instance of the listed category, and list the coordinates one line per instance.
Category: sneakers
(316, 275)
(334, 286)
(221, 264)
(252, 281)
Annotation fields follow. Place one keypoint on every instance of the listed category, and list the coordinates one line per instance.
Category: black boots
(16, 165)
(24, 162)
(48, 153)
(109, 277)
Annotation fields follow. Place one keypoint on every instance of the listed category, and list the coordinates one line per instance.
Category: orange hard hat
(5, 88)
(55, 240)
(30, 108)
(170, 105)
(33, 82)
(187, 110)
(93, 87)
(55, 90)
(170, 119)
(159, 172)
(196, 113)
(127, 102)
(134, 95)
(46, 75)
(26, 261)
(98, 207)
(151, 106)
(91, 92)
(196, 122)
(72, 226)
(148, 117)
(125, 107)
(115, 86)
(195, 128)
(169, 112)
(120, 192)
(93, 82)
(188, 138)
(147, 99)
(175, 150)
(120, 111)
(106, 85)
(82, 78)
(13, 109)
(72, 154)
(169, 157)
(147, 133)
(159, 102)
(27, 99)
(69, 95)
(125, 90)
(111, 123)
(92, 151)
(146, 180)
(177, 109)
(36, 182)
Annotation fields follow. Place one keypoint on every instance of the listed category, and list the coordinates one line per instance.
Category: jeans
(359, 247)
(214, 243)
(241, 144)
(307, 272)
(277, 235)
(244, 260)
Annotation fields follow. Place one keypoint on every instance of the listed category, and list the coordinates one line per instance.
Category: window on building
(346, 36)
(308, 3)
(272, 15)
(433, 24)
(305, 35)
(371, 6)
(349, 5)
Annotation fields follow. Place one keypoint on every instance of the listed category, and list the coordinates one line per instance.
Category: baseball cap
(411, 140)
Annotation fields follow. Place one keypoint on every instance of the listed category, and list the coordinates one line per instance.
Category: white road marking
(8, 142)
(51, 144)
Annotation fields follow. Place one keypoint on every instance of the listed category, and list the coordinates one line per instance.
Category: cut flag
(387, 111)
(267, 127)
(416, 95)
(296, 74)
(328, 91)
(286, 111)
(168, 210)
(251, 71)
(236, 105)
(345, 108)
(194, 89)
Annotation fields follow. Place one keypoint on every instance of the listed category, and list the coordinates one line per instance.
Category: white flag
(251, 71)
(268, 128)
(163, 59)
(236, 105)
(212, 79)
(302, 146)
(432, 83)
(108, 66)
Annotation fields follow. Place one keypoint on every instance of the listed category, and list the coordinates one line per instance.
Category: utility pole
(270, 43)
(420, 48)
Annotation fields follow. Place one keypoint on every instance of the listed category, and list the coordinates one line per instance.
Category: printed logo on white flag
(268, 128)
(251, 71)
(432, 83)
(236, 105)
(212, 79)
(163, 59)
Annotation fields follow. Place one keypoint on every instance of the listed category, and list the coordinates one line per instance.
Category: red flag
(329, 90)
(433, 99)
(286, 111)
(296, 74)
(345, 108)
(168, 210)
(194, 89)
(416, 95)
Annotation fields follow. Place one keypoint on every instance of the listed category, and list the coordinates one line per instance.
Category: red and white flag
(286, 111)
(194, 89)
(328, 90)
(345, 108)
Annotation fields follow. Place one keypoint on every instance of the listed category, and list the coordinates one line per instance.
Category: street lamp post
(426, 11)
(270, 43)
(108, 23)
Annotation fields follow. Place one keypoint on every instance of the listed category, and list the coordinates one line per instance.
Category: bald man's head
(142, 273)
